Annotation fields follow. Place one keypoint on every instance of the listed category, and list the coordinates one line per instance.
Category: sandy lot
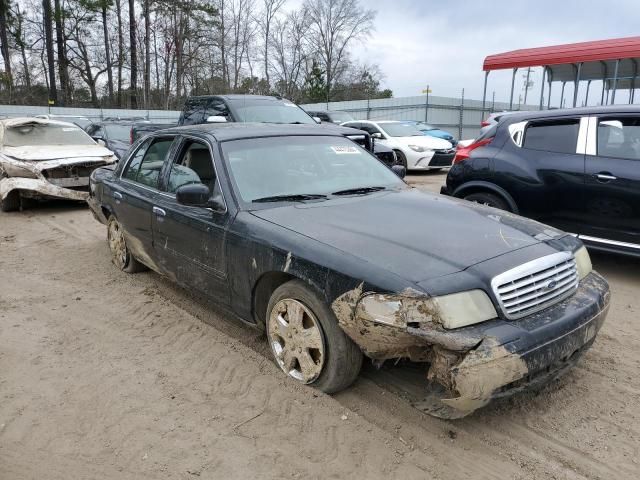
(108, 375)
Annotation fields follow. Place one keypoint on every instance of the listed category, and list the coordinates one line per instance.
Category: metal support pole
(493, 102)
(526, 85)
(461, 120)
(632, 87)
(615, 82)
(550, 83)
(586, 97)
(604, 81)
(513, 82)
(576, 84)
(608, 92)
(426, 107)
(562, 94)
(544, 73)
(368, 108)
(484, 91)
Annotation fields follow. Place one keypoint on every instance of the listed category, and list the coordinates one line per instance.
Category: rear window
(559, 136)
(36, 134)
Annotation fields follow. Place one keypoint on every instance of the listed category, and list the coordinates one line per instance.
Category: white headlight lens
(465, 308)
(17, 171)
(417, 148)
(583, 262)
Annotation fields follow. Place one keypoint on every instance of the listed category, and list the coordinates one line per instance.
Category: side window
(145, 166)
(193, 165)
(559, 136)
(370, 129)
(619, 137)
(193, 113)
(131, 170)
(216, 108)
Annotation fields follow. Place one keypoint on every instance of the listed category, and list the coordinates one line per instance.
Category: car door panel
(613, 179)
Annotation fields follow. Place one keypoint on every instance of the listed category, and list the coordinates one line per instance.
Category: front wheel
(120, 253)
(306, 341)
(488, 199)
(402, 159)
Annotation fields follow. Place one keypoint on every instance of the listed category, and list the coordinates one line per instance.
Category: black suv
(114, 134)
(577, 169)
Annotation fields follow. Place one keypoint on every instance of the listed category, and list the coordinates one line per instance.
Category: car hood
(427, 141)
(413, 234)
(56, 152)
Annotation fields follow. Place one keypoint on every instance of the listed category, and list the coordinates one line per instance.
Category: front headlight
(418, 148)
(18, 171)
(451, 311)
(583, 262)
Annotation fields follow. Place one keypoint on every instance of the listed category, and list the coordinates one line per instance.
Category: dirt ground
(108, 375)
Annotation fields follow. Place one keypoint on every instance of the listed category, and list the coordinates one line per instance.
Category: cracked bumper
(515, 356)
(40, 187)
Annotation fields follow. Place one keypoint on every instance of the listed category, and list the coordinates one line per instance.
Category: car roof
(235, 97)
(515, 117)
(236, 131)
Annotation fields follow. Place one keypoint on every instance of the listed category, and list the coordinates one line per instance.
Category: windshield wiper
(298, 197)
(359, 190)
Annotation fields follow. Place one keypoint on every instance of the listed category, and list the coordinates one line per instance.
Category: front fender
(460, 190)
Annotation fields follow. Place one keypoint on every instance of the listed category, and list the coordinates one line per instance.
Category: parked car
(141, 129)
(414, 150)
(303, 233)
(429, 129)
(576, 169)
(333, 116)
(264, 109)
(114, 134)
(79, 120)
(494, 118)
(46, 159)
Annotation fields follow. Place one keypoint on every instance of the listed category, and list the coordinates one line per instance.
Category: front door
(190, 241)
(613, 179)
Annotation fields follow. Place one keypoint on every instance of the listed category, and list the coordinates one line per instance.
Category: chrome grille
(536, 285)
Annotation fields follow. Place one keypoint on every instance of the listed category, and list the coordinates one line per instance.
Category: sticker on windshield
(289, 104)
(345, 150)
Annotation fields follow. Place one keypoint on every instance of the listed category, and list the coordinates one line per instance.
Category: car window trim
(596, 122)
(538, 122)
(133, 154)
(183, 138)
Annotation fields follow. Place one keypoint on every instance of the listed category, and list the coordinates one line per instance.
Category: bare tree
(271, 9)
(51, 65)
(5, 13)
(134, 55)
(120, 49)
(288, 52)
(61, 50)
(334, 25)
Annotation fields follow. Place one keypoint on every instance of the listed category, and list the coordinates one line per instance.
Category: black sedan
(306, 234)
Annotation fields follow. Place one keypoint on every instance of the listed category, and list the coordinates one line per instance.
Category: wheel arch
(481, 186)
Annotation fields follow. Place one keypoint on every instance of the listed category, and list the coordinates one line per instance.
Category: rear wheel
(11, 202)
(306, 341)
(488, 199)
(402, 159)
(120, 253)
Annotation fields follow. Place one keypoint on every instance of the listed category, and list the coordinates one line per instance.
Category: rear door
(546, 174)
(136, 192)
(190, 241)
(613, 179)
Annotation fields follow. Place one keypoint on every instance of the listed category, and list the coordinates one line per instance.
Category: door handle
(158, 211)
(117, 195)
(605, 177)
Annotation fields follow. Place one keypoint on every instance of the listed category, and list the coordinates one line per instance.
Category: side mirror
(198, 195)
(377, 135)
(100, 141)
(317, 119)
(216, 119)
(399, 170)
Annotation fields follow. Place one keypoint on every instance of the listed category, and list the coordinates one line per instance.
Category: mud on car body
(42, 158)
(306, 235)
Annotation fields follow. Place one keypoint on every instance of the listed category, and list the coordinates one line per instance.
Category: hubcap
(117, 245)
(296, 340)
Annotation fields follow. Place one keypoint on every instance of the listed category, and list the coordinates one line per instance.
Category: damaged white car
(46, 159)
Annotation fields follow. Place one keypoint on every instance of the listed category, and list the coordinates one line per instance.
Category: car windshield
(341, 117)
(270, 111)
(425, 127)
(400, 129)
(118, 132)
(303, 166)
(37, 134)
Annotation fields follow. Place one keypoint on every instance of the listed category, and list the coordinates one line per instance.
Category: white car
(414, 149)
(46, 159)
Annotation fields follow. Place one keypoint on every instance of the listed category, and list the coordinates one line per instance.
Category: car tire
(11, 202)
(306, 341)
(121, 256)
(488, 199)
(402, 159)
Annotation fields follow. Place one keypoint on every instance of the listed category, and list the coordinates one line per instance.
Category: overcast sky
(444, 42)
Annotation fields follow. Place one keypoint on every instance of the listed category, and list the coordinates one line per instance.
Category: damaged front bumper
(496, 358)
(39, 187)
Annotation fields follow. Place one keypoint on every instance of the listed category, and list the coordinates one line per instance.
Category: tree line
(153, 53)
